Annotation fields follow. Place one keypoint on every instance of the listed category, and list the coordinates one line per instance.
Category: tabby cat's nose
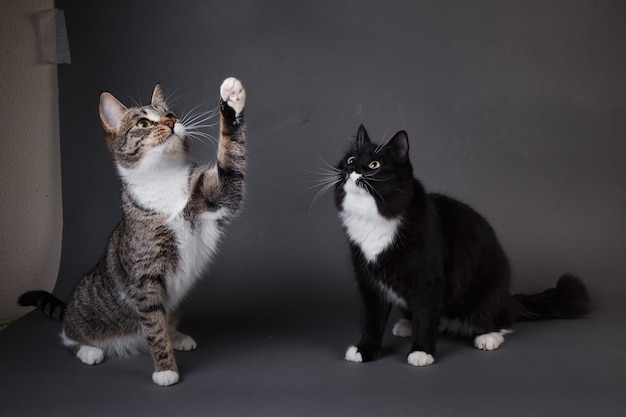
(169, 122)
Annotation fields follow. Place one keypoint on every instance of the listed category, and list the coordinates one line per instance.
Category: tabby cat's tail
(568, 300)
(44, 301)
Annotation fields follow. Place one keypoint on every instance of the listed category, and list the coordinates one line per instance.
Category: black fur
(445, 260)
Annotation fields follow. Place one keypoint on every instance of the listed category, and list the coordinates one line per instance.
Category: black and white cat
(434, 257)
(174, 213)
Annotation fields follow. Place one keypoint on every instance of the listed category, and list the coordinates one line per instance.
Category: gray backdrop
(515, 107)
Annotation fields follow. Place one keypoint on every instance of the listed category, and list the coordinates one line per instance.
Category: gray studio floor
(289, 365)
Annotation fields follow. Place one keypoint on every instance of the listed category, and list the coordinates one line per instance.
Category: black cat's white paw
(402, 328)
(490, 341)
(233, 94)
(419, 358)
(353, 355)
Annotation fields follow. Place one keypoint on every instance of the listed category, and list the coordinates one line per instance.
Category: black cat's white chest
(365, 227)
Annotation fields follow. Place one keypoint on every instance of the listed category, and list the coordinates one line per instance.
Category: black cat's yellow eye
(350, 160)
(374, 165)
(144, 123)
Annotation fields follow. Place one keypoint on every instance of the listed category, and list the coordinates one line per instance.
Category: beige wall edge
(30, 168)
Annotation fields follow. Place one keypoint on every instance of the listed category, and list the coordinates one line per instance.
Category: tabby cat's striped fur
(174, 214)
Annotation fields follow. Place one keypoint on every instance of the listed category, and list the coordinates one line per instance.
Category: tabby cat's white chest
(196, 244)
(158, 186)
(365, 227)
(165, 189)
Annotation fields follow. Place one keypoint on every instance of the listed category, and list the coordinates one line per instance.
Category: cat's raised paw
(233, 94)
(90, 355)
(165, 378)
(402, 328)
(353, 355)
(419, 358)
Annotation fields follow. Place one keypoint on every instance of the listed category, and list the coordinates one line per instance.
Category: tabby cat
(174, 212)
(431, 255)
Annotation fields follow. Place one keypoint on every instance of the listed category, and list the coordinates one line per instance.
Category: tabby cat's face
(379, 170)
(139, 133)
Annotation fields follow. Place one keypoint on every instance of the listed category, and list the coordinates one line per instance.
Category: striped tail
(568, 300)
(44, 301)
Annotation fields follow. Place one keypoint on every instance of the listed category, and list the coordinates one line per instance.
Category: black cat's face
(378, 170)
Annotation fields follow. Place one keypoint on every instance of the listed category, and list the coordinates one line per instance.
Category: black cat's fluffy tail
(568, 300)
(44, 301)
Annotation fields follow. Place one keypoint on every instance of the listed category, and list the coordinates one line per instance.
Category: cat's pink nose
(169, 123)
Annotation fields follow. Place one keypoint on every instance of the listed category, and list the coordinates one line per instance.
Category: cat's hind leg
(491, 340)
(402, 328)
(89, 355)
(181, 341)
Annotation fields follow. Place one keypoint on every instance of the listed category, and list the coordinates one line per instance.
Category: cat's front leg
(424, 326)
(376, 311)
(150, 301)
(222, 186)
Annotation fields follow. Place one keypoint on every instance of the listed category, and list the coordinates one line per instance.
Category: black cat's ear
(111, 112)
(400, 146)
(158, 98)
(361, 136)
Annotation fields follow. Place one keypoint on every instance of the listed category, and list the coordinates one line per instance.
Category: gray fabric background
(515, 107)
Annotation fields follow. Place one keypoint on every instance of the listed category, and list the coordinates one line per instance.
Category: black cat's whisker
(371, 177)
(323, 181)
(371, 188)
(322, 171)
(329, 166)
(325, 187)
(384, 141)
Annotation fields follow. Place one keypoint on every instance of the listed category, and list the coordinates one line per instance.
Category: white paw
(232, 92)
(402, 328)
(353, 355)
(419, 358)
(165, 378)
(90, 355)
(183, 342)
(490, 341)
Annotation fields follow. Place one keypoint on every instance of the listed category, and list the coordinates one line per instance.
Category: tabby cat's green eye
(144, 123)
(374, 165)
(351, 160)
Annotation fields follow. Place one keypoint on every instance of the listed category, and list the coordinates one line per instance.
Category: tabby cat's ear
(111, 112)
(158, 98)
(400, 145)
(362, 136)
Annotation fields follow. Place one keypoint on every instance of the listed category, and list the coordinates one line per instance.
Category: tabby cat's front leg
(220, 189)
(154, 324)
